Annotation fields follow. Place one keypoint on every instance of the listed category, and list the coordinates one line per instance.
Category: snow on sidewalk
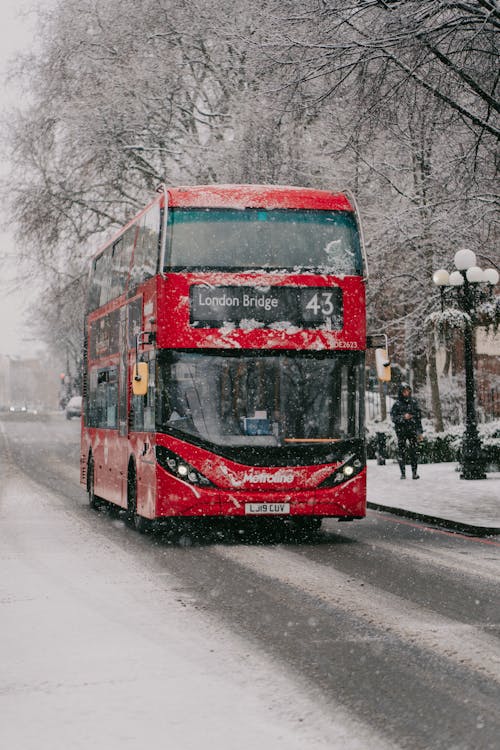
(438, 494)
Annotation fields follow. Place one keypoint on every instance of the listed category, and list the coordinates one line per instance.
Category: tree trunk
(383, 404)
(447, 361)
(433, 378)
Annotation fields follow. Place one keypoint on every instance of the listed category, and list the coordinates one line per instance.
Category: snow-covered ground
(439, 492)
(98, 651)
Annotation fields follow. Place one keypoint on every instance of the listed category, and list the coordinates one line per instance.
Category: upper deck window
(110, 270)
(253, 238)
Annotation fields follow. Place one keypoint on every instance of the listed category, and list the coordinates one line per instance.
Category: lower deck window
(103, 398)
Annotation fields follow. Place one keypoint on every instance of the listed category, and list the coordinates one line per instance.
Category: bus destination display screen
(305, 307)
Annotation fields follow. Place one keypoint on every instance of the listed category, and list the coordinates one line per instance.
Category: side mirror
(383, 365)
(140, 379)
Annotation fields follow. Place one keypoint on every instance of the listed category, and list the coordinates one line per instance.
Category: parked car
(74, 407)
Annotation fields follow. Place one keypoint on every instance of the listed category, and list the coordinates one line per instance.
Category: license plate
(259, 509)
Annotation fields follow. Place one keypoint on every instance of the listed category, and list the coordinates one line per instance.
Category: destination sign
(306, 307)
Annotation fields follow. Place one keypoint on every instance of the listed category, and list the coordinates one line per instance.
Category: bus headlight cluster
(351, 465)
(176, 466)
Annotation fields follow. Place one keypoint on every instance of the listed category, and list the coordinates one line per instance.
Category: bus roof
(241, 197)
(256, 196)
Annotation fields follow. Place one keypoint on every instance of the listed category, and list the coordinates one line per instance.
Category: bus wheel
(94, 501)
(137, 522)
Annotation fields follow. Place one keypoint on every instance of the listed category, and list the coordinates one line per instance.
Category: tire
(94, 502)
(134, 520)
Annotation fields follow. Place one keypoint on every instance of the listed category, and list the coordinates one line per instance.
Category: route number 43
(321, 304)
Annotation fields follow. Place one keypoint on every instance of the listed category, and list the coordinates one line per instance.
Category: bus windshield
(236, 239)
(257, 399)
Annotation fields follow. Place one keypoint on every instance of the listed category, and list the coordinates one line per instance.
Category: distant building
(486, 368)
(33, 383)
(488, 361)
(4, 381)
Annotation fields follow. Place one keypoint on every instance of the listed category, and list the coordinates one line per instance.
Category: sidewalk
(439, 497)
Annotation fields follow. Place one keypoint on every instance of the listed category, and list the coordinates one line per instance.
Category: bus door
(111, 449)
(104, 398)
(121, 451)
(142, 427)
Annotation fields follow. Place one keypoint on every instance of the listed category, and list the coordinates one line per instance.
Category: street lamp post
(465, 280)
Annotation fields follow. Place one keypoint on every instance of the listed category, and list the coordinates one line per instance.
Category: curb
(445, 523)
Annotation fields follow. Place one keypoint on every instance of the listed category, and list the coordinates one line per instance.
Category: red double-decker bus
(224, 358)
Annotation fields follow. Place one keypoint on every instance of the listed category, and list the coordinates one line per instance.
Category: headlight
(176, 466)
(351, 465)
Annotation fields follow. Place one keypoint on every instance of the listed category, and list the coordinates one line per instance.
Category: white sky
(16, 34)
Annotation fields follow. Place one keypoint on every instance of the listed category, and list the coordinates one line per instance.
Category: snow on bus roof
(256, 196)
(240, 197)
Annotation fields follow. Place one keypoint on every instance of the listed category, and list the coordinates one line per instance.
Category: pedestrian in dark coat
(407, 419)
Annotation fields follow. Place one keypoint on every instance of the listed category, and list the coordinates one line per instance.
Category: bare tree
(396, 100)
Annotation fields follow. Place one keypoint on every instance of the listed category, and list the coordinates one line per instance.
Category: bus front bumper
(177, 498)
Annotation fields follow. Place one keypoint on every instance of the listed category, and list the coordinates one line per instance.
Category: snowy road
(381, 634)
